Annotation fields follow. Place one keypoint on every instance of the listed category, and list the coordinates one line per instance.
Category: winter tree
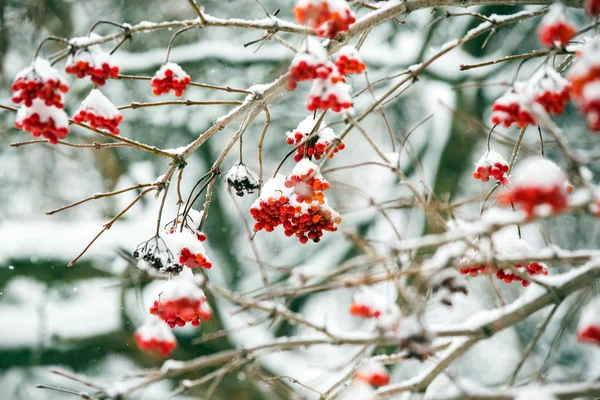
(309, 199)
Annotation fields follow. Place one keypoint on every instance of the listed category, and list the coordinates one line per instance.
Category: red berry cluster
(39, 81)
(508, 110)
(592, 7)
(328, 17)
(584, 77)
(591, 333)
(528, 198)
(98, 121)
(163, 347)
(191, 260)
(497, 171)
(97, 73)
(530, 269)
(272, 212)
(474, 270)
(555, 29)
(180, 311)
(50, 123)
(364, 311)
(331, 93)
(554, 102)
(349, 62)
(314, 148)
(304, 70)
(374, 374)
(310, 223)
(170, 77)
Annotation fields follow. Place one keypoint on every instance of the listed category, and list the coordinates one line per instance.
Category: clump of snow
(182, 286)
(538, 172)
(178, 72)
(100, 105)
(45, 113)
(156, 329)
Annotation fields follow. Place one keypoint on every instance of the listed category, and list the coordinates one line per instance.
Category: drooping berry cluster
(368, 303)
(328, 17)
(170, 77)
(156, 254)
(311, 62)
(549, 89)
(242, 180)
(446, 284)
(584, 76)
(307, 182)
(349, 61)
(555, 30)
(155, 336)
(373, 373)
(536, 182)
(100, 112)
(90, 61)
(189, 250)
(182, 301)
(324, 141)
(512, 108)
(278, 205)
(39, 119)
(39, 81)
(331, 93)
(588, 328)
(511, 248)
(493, 165)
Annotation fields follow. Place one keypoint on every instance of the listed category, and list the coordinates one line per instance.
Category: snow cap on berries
(538, 171)
(169, 77)
(188, 249)
(100, 112)
(555, 29)
(182, 301)
(588, 328)
(373, 373)
(331, 93)
(309, 63)
(513, 107)
(90, 60)
(318, 145)
(307, 182)
(493, 165)
(42, 81)
(155, 335)
(242, 179)
(369, 303)
(48, 122)
(349, 61)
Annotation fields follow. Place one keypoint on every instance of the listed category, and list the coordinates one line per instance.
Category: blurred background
(82, 318)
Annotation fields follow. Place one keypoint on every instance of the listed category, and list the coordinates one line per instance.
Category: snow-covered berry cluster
(311, 62)
(512, 108)
(446, 284)
(155, 336)
(277, 205)
(373, 373)
(242, 180)
(491, 165)
(323, 142)
(536, 182)
(349, 61)
(588, 328)
(188, 248)
(49, 122)
(584, 76)
(156, 254)
(369, 303)
(90, 61)
(549, 89)
(307, 182)
(555, 30)
(170, 77)
(328, 17)
(182, 301)
(514, 247)
(331, 93)
(39, 81)
(100, 112)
